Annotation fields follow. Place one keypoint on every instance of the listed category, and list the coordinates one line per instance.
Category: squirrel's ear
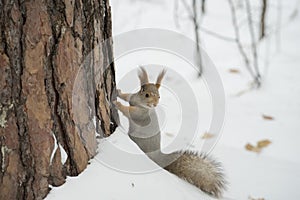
(143, 76)
(160, 77)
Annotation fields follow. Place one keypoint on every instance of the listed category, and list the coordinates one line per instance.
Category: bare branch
(238, 40)
(197, 38)
(263, 19)
(187, 7)
(194, 17)
(217, 35)
(253, 44)
(203, 6)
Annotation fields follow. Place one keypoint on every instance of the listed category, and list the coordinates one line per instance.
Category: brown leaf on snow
(234, 71)
(251, 198)
(263, 143)
(207, 135)
(267, 117)
(250, 147)
(259, 146)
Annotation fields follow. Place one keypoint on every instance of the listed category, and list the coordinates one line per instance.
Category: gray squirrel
(197, 169)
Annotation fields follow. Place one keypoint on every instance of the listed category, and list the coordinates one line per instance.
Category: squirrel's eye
(147, 95)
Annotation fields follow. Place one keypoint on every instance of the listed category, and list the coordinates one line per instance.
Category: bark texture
(54, 79)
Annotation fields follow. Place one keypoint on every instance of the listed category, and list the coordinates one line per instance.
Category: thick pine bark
(43, 45)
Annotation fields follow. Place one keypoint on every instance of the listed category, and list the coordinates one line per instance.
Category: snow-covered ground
(272, 174)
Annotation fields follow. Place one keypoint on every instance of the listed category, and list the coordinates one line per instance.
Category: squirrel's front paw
(117, 104)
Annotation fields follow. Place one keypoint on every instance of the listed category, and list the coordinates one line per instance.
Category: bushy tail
(201, 171)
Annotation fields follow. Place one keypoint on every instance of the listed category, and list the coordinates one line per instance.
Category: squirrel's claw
(117, 104)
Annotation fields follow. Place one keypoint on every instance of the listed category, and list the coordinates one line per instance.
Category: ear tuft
(160, 77)
(143, 76)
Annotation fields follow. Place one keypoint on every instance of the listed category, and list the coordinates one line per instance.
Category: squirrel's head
(149, 91)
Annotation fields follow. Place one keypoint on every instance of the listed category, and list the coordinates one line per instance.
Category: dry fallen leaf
(251, 198)
(259, 146)
(250, 147)
(207, 136)
(263, 143)
(267, 117)
(234, 71)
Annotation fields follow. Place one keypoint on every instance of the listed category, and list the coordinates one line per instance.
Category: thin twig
(186, 6)
(197, 37)
(194, 17)
(203, 6)
(217, 35)
(253, 44)
(238, 40)
(263, 19)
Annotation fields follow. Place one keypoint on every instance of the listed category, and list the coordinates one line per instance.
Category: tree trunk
(54, 79)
